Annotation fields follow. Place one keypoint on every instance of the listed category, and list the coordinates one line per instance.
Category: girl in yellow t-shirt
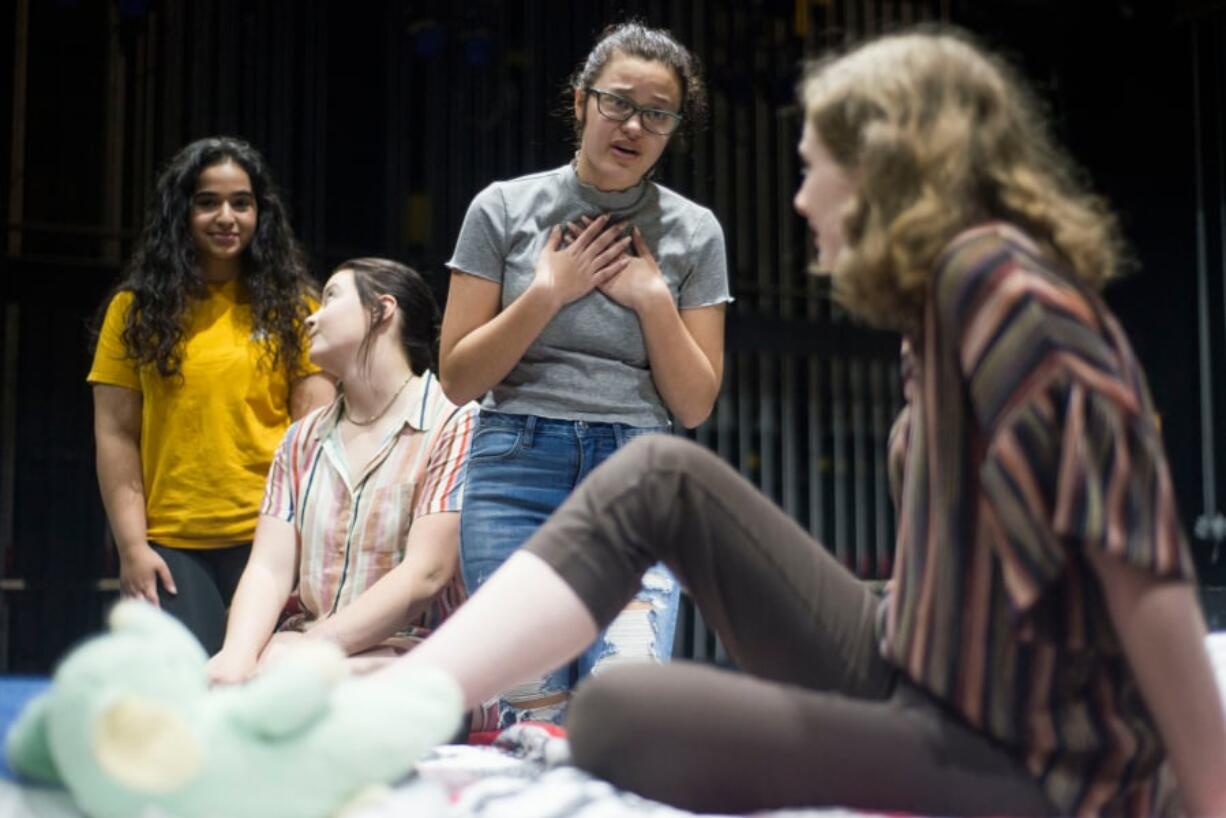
(199, 368)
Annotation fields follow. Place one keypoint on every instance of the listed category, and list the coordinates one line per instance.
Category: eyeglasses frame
(636, 110)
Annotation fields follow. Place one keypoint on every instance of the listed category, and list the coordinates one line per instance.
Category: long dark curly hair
(164, 279)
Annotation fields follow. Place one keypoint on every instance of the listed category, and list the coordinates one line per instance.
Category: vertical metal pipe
(768, 431)
(766, 260)
(1219, 107)
(838, 431)
(861, 545)
(894, 381)
(881, 495)
(784, 217)
(742, 169)
(789, 438)
(816, 422)
(725, 410)
(1208, 464)
(745, 424)
(704, 435)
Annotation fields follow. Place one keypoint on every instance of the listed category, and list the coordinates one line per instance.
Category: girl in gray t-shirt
(586, 306)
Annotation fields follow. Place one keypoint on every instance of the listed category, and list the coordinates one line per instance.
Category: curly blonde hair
(939, 136)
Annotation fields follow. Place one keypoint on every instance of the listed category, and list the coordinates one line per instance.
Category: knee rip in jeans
(631, 637)
(657, 582)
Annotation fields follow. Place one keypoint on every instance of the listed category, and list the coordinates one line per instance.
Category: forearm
(263, 589)
(1166, 645)
(1163, 636)
(682, 372)
(397, 599)
(123, 490)
(481, 359)
(258, 601)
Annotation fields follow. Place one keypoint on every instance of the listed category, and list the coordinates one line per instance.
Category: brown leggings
(817, 719)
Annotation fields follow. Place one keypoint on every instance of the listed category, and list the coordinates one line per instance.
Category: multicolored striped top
(352, 529)
(1029, 437)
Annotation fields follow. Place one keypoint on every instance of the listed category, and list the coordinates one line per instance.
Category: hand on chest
(653, 256)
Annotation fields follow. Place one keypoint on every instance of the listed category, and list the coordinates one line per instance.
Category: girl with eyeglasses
(586, 306)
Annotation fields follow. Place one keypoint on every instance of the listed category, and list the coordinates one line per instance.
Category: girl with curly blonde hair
(941, 136)
(1039, 649)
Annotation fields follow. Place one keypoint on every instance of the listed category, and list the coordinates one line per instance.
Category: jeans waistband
(534, 425)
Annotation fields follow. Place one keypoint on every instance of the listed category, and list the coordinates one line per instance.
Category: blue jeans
(520, 469)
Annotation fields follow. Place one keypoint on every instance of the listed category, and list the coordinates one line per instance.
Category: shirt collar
(416, 415)
(611, 200)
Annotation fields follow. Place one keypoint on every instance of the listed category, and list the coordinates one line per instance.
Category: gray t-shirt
(590, 362)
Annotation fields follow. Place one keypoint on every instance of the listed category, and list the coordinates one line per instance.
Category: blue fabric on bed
(15, 691)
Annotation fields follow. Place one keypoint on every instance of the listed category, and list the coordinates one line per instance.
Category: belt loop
(619, 434)
(529, 430)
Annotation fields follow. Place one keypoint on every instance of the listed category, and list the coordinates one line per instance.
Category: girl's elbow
(431, 583)
(453, 386)
(691, 417)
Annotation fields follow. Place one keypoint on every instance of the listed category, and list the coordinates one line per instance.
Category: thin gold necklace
(382, 411)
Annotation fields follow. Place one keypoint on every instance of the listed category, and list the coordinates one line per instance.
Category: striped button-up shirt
(353, 528)
(1028, 439)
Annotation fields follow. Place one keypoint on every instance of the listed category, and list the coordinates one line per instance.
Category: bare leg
(523, 622)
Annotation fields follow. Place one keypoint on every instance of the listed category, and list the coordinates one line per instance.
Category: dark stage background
(382, 119)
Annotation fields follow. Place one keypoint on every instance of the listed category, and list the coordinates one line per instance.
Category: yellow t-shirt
(208, 437)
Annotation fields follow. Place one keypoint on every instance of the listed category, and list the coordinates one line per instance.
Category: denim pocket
(494, 443)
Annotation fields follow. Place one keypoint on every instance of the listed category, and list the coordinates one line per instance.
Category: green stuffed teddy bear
(130, 722)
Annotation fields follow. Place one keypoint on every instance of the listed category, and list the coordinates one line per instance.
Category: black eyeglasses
(620, 109)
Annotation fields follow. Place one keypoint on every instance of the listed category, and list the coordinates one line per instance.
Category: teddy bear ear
(27, 747)
(145, 745)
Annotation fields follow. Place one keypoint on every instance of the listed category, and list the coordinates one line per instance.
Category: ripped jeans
(520, 469)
